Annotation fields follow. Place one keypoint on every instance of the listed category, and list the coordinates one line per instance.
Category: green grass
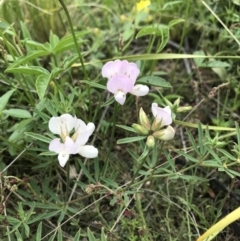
(129, 192)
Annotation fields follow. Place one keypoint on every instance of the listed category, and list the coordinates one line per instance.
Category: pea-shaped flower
(163, 117)
(122, 76)
(76, 143)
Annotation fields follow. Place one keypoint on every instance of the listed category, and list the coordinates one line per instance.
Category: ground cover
(119, 120)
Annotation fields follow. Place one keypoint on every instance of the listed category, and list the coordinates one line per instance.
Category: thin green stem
(74, 37)
(78, 51)
(111, 139)
(68, 180)
(138, 169)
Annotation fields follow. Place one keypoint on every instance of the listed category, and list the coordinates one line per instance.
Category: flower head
(67, 145)
(162, 115)
(122, 76)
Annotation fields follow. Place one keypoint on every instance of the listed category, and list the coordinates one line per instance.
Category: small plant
(118, 120)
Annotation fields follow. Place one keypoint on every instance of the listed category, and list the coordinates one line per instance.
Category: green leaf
(53, 40)
(175, 21)
(155, 81)
(39, 232)
(19, 113)
(90, 235)
(59, 236)
(131, 139)
(55, 72)
(18, 235)
(27, 229)
(38, 46)
(30, 70)
(170, 4)
(228, 155)
(110, 182)
(4, 99)
(86, 172)
(127, 128)
(148, 31)
(216, 64)
(103, 235)
(68, 61)
(199, 61)
(108, 102)
(237, 2)
(77, 236)
(42, 84)
(164, 33)
(30, 56)
(44, 216)
(38, 137)
(68, 42)
(42, 205)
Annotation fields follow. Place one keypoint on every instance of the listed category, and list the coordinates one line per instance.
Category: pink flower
(122, 76)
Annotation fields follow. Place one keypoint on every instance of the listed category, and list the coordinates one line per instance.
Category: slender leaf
(19, 113)
(39, 232)
(77, 236)
(29, 70)
(39, 137)
(4, 99)
(127, 128)
(26, 59)
(131, 139)
(90, 235)
(155, 81)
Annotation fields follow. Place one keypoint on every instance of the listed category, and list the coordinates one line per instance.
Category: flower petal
(167, 134)
(69, 146)
(120, 97)
(79, 127)
(82, 139)
(162, 114)
(88, 151)
(61, 125)
(56, 145)
(63, 158)
(140, 90)
(120, 82)
(118, 67)
(90, 128)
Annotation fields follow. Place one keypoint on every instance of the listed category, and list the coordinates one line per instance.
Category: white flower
(62, 125)
(66, 145)
(85, 150)
(165, 134)
(63, 149)
(162, 115)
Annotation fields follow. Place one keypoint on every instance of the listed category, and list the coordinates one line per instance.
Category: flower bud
(150, 141)
(165, 134)
(168, 102)
(176, 103)
(184, 108)
(143, 119)
(156, 125)
(140, 129)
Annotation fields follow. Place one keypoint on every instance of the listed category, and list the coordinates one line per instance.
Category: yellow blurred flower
(143, 5)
